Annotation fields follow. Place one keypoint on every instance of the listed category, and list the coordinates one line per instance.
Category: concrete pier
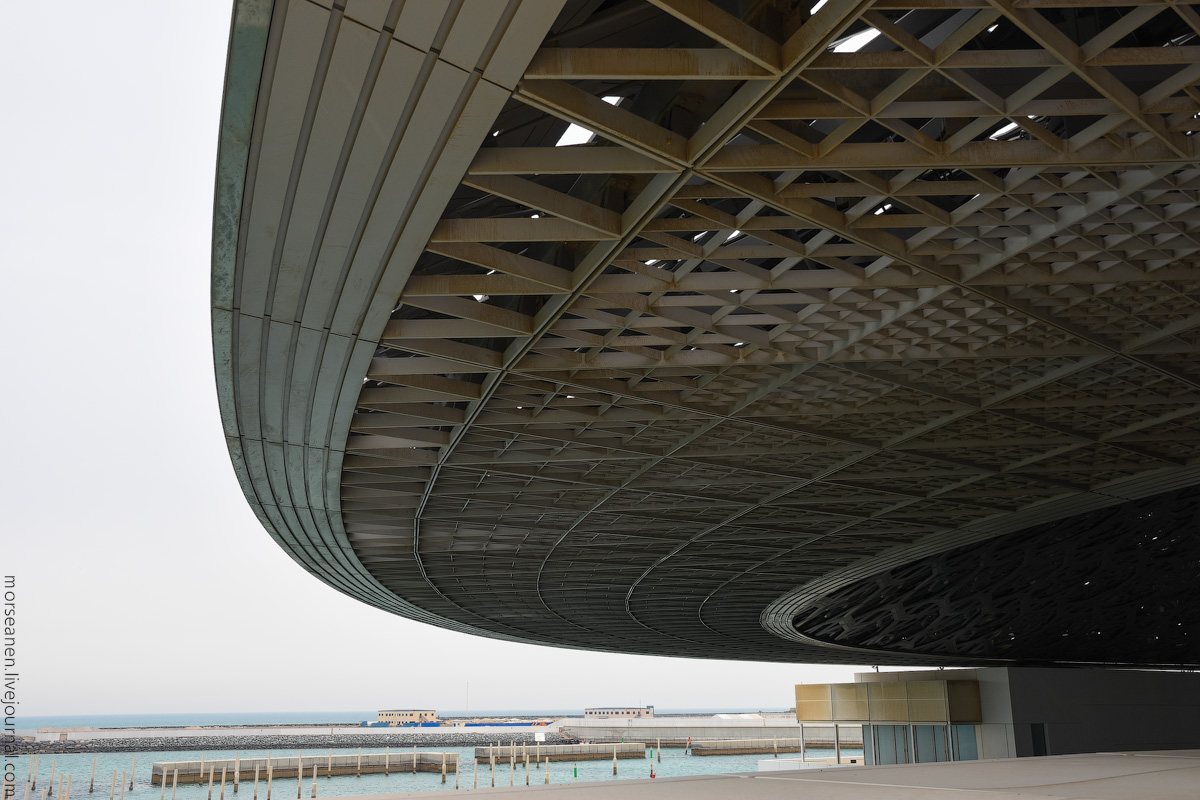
(566, 752)
(735, 747)
(293, 766)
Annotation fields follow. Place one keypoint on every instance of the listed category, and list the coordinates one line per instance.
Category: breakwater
(414, 737)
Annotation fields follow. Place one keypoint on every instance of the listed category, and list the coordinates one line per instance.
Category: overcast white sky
(144, 582)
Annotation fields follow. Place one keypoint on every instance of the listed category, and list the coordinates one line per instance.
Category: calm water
(79, 766)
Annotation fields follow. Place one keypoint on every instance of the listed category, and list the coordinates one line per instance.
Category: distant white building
(618, 713)
(401, 716)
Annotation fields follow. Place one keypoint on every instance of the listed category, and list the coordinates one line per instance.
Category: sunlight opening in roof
(1009, 128)
(574, 134)
(479, 298)
(651, 262)
(577, 134)
(856, 42)
(817, 5)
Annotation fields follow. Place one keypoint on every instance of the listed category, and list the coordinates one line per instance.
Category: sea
(112, 772)
(96, 774)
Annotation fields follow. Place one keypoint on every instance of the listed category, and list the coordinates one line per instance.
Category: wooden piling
(255, 782)
(837, 745)
(358, 769)
(162, 794)
(67, 796)
(60, 785)
(45, 792)
(659, 745)
(443, 767)
(122, 787)
(27, 788)
(211, 774)
(174, 782)
(112, 791)
(775, 744)
(414, 759)
(270, 775)
(32, 777)
(237, 768)
(92, 785)
(614, 760)
(329, 769)
(50, 783)
(525, 753)
(300, 775)
(314, 789)
(387, 761)
(222, 783)
(202, 760)
(132, 770)
(547, 772)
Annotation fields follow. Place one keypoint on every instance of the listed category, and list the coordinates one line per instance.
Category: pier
(241, 770)
(737, 747)
(561, 752)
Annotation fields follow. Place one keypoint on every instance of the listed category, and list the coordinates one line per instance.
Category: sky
(144, 583)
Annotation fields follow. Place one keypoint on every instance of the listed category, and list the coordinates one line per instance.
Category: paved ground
(1166, 775)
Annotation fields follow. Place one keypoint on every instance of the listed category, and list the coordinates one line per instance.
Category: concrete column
(475, 773)
(359, 768)
(547, 770)
(659, 756)
(92, 785)
(614, 759)
(387, 760)
(414, 759)
(329, 769)
(775, 745)
(802, 741)
(525, 753)
(443, 767)
(837, 744)
(237, 769)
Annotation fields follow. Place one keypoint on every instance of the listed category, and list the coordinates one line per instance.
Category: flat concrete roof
(1163, 775)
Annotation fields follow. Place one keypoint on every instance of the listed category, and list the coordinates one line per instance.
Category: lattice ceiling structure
(816, 292)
